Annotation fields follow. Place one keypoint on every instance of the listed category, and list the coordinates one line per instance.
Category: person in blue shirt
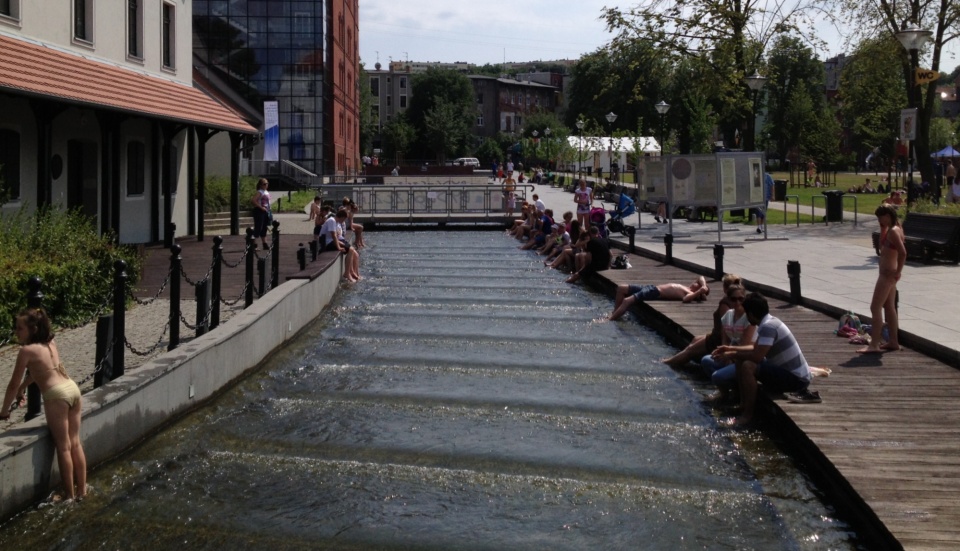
(767, 197)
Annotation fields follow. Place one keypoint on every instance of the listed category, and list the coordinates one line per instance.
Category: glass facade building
(272, 50)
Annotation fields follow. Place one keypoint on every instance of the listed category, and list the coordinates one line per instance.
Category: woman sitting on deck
(704, 344)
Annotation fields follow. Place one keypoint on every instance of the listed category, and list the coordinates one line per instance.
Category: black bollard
(248, 278)
(314, 250)
(275, 256)
(668, 243)
(104, 338)
(793, 272)
(202, 294)
(302, 257)
(631, 236)
(175, 264)
(217, 274)
(34, 300)
(119, 316)
(718, 262)
(261, 276)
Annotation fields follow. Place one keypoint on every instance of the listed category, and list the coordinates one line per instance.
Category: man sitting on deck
(628, 294)
(774, 359)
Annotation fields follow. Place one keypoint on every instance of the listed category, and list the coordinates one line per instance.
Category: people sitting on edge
(538, 204)
(330, 240)
(704, 344)
(594, 258)
(775, 360)
(350, 225)
(736, 331)
(894, 199)
(318, 216)
(566, 259)
(543, 229)
(559, 239)
(524, 210)
(629, 294)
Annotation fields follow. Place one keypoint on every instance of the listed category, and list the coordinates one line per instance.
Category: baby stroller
(625, 207)
(598, 218)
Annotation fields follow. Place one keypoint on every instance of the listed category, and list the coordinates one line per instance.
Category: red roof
(38, 70)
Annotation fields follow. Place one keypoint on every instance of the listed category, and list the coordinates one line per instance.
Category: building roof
(39, 70)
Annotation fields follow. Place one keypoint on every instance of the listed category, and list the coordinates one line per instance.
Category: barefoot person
(893, 254)
(628, 294)
(39, 362)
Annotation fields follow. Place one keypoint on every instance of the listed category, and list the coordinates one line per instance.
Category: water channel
(460, 397)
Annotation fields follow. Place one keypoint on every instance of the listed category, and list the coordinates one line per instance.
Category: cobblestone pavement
(144, 324)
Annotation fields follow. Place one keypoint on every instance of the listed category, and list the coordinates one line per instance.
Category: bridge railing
(426, 198)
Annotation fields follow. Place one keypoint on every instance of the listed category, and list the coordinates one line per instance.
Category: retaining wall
(127, 409)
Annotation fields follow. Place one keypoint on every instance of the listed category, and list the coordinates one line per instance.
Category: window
(10, 162)
(168, 36)
(136, 168)
(83, 20)
(403, 102)
(135, 28)
(389, 101)
(403, 83)
(375, 87)
(479, 120)
(10, 8)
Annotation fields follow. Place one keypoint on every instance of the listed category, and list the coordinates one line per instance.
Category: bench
(929, 237)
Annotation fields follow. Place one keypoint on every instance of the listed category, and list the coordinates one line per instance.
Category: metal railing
(449, 199)
(285, 168)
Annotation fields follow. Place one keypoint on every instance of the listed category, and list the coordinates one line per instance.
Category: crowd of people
(330, 233)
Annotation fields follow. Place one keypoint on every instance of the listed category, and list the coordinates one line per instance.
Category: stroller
(598, 219)
(625, 207)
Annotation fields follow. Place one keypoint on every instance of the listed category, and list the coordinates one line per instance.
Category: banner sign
(908, 124)
(271, 131)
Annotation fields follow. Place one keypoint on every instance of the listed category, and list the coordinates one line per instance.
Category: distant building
(503, 103)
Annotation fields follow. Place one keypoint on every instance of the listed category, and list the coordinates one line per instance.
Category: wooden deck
(885, 442)
(197, 257)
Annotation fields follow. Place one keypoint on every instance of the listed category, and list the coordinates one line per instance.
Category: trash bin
(834, 205)
(779, 190)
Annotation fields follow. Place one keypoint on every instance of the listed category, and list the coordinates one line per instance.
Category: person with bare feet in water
(883, 308)
(39, 362)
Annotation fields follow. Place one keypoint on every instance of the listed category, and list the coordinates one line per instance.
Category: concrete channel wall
(126, 410)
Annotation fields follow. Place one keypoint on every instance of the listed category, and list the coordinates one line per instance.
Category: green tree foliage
(794, 96)
(398, 136)
(449, 97)
(4, 192)
(446, 129)
(872, 95)
(941, 133)
(489, 151)
(881, 20)
(368, 122)
(729, 36)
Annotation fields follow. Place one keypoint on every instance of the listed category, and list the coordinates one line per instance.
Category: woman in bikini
(583, 197)
(893, 254)
(39, 362)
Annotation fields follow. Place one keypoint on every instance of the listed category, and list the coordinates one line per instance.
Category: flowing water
(460, 397)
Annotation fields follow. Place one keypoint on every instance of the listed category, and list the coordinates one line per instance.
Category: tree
(398, 135)
(489, 151)
(941, 133)
(368, 122)
(446, 129)
(434, 88)
(729, 35)
(885, 18)
(872, 94)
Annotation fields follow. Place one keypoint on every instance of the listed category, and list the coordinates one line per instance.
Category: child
(39, 362)
(511, 203)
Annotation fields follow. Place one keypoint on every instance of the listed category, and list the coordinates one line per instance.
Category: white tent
(598, 151)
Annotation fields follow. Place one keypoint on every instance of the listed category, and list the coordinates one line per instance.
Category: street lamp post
(662, 108)
(536, 143)
(913, 38)
(580, 143)
(611, 117)
(755, 82)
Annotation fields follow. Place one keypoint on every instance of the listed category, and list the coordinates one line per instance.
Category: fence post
(34, 300)
(313, 250)
(275, 256)
(668, 243)
(793, 272)
(119, 316)
(175, 265)
(102, 361)
(631, 236)
(302, 257)
(251, 253)
(215, 287)
(202, 293)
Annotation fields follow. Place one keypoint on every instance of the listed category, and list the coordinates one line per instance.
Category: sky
(494, 31)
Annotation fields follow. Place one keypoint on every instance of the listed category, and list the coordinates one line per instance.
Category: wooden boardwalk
(197, 257)
(885, 442)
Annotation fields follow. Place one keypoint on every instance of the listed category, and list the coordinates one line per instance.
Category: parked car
(467, 161)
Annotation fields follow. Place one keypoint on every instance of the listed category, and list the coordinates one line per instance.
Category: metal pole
(119, 315)
(251, 254)
(217, 275)
(175, 264)
(793, 273)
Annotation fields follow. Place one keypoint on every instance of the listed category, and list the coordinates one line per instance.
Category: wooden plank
(889, 424)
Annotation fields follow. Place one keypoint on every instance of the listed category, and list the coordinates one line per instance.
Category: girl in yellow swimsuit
(39, 362)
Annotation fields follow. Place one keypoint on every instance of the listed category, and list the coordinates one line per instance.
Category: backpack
(620, 263)
(849, 323)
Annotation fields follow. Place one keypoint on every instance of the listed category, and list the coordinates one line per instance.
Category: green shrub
(216, 196)
(64, 249)
(927, 207)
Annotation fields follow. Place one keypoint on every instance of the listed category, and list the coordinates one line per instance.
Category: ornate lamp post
(913, 38)
(536, 143)
(580, 143)
(662, 108)
(756, 83)
(611, 117)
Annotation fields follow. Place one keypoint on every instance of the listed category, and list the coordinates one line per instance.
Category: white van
(467, 161)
